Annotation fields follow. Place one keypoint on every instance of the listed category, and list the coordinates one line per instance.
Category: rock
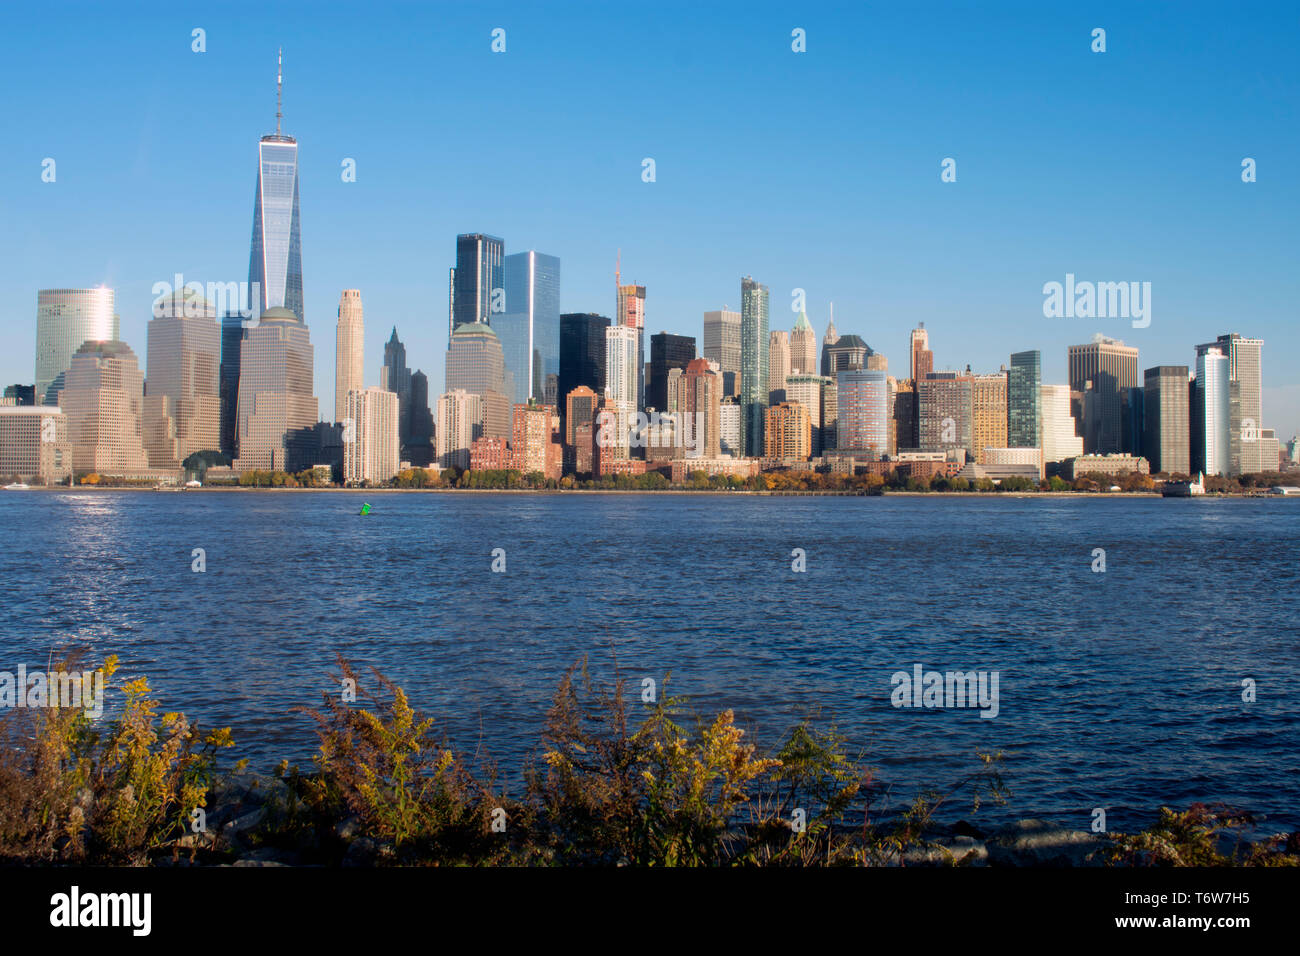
(1043, 844)
(347, 829)
(954, 851)
(363, 851)
(268, 856)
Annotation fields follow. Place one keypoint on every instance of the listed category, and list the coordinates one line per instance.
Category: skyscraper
(182, 408)
(65, 318)
(803, 347)
(277, 408)
(862, 412)
(103, 397)
(846, 352)
(1061, 440)
(944, 407)
(809, 391)
(787, 431)
(1166, 440)
(582, 353)
(922, 357)
(460, 424)
(417, 443)
(667, 352)
(753, 364)
(479, 270)
(989, 414)
(1110, 366)
(395, 376)
(722, 345)
(829, 339)
(476, 364)
(232, 343)
(1211, 453)
(349, 350)
(621, 368)
(694, 394)
(631, 312)
(1024, 400)
(275, 262)
(778, 364)
(529, 329)
(370, 447)
(1246, 454)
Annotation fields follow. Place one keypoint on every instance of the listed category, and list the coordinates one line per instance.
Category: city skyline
(977, 289)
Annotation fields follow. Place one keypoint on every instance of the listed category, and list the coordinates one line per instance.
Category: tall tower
(275, 263)
(922, 357)
(478, 273)
(829, 339)
(529, 329)
(803, 347)
(631, 312)
(778, 364)
(349, 351)
(753, 364)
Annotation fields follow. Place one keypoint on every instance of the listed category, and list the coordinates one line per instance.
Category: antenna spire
(279, 85)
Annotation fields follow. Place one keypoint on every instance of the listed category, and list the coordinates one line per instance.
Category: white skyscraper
(1213, 389)
(370, 438)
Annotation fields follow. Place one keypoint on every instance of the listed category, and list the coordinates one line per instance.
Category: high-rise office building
(778, 364)
(275, 261)
(944, 407)
(1166, 421)
(809, 391)
(182, 405)
(1061, 440)
(922, 357)
(722, 345)
(753, 364)
(803, 347)
(1211, 412)
(582, 353)
(349, 350)
(989, 413)
(667, 352)
(232, 343)
(621, 379)
(1246, 454)
(370, 446)
(103, 398)
(529, 329)
(1104, 367)
(476, 363)
(277, 409)
(788, 432)
(862, 411)
(65, 318)
(1024, 400)
(479, 271)
(460, 423)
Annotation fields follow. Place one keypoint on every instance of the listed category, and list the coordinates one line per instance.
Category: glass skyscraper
(65, 318)
(275, 263)
(753, 364)
(529, 330)
(478, 271)
(1024, 401)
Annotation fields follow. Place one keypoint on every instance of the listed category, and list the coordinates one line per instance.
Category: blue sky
(817, 170)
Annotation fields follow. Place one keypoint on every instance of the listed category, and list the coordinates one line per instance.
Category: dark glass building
(1024, 400)
(232, 336)
(582, 353)
(667, 352)
(753, 365)
(479, 270)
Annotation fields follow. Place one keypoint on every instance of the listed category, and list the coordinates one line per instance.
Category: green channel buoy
(365, 508)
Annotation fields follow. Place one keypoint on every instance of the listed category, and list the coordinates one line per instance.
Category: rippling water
(1119, 689)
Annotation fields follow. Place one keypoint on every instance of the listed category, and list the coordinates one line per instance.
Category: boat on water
(1184, 489)
(18, 486)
